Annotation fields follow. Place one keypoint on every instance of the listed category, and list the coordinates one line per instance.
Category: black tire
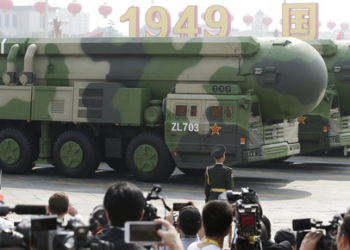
(153, 160)
(17, 151)
(117, 164)
(75, 154)
(192, 172)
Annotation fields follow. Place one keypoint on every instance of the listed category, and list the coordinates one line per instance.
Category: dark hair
(190, 220)
(217, 217)
(124, 202)
(285, 234)
(345, 226)
(58, 203)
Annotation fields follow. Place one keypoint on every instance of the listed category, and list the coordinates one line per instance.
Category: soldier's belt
(219, 190)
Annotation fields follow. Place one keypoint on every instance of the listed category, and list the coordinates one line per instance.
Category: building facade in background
(25, 21)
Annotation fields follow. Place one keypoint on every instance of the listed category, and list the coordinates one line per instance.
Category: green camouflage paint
(334, 110)
(84, 90)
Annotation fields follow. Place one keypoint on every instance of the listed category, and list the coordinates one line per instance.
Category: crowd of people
(192, 229)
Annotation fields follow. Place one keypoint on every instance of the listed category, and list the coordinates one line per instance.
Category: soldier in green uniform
(218, 178)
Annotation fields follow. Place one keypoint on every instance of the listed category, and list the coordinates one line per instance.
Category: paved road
(315, 187)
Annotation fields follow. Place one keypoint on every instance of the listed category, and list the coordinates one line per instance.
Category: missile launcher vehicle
(151, 104)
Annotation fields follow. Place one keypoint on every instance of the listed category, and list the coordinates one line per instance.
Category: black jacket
(217, 177)
(116, 236)
(270, 245)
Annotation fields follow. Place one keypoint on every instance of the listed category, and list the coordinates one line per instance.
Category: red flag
(340, 36)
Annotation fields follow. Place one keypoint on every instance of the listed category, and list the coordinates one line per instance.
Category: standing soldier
(218, 178)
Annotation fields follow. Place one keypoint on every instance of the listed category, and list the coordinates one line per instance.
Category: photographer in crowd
(343, 237)
(59, 205)
(267, 243)
(189, 223)
(285, 234)
(169, 236)
(123, 202)
(217, 222)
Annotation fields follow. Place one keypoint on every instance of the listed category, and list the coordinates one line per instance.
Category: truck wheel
(17, 151)
(148, 158)
(117, 164)
(75, 154)
(193, 172)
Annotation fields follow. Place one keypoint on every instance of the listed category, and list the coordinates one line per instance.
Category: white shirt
(194, 246)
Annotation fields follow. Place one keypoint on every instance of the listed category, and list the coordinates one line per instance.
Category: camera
(98, 220)
(47, 232)
(150, 211)
(248, 212)
(328, 241)
(248, 215)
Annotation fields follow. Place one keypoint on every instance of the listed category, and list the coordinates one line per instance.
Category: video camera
(47, 232)
(328, 241)
(151, 211)
(248, 215)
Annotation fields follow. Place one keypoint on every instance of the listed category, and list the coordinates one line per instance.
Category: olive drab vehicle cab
(147, 105)
(327, 127)
(199, 116)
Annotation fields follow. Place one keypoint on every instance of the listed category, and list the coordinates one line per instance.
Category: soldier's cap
(285, 234)
(218, 151)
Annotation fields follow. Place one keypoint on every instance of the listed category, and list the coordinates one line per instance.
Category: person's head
(58, 204)
(190, 220)
(123, 202)
(217, 218)
(343, 237)
(218, 153)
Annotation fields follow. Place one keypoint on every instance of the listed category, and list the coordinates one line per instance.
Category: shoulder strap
(207, 174)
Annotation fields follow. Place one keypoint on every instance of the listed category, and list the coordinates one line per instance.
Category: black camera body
(48, 232)
(248, 215)
(248, 219)
(248, 212)
(328, 241)
(150, 211)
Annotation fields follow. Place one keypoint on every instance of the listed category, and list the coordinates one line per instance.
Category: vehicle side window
(193, 110)
(216, 111)
(335, 106)
(181, 110)
(254, 113)
(229, 111)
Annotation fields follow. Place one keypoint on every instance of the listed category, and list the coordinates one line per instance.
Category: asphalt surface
(303, 187)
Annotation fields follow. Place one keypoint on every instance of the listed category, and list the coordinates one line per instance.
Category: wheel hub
(71, 154)
(10, 151)
(146, 158)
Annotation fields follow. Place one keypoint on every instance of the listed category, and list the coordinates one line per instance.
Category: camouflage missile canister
(327, 127)
(286, 74)
(75, 92)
